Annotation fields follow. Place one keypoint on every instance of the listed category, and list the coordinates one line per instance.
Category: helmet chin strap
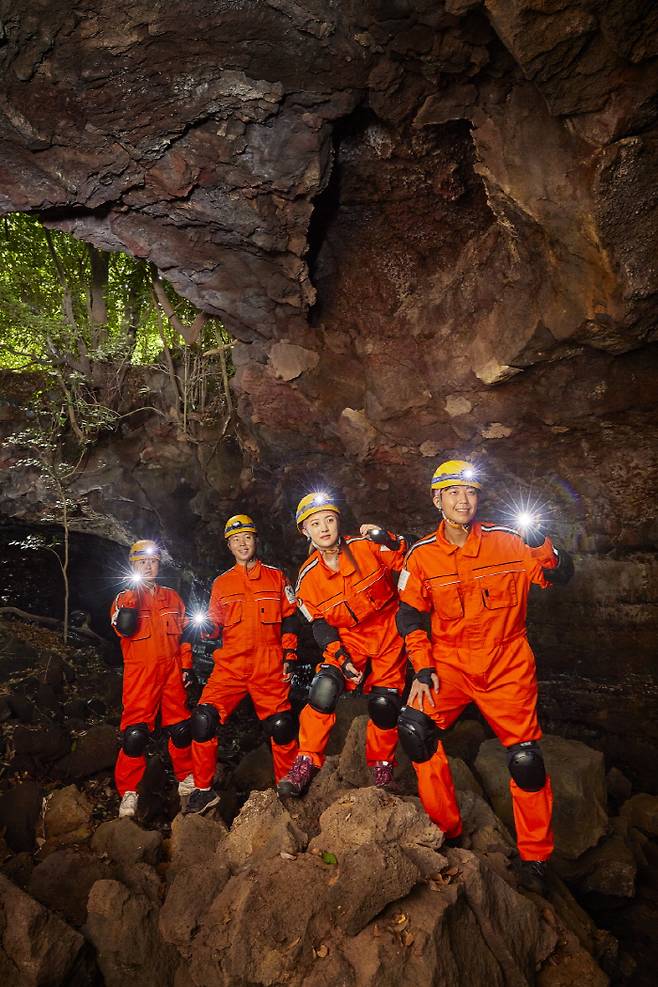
(456, 524)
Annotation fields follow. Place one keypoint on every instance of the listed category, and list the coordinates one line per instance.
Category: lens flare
(135, 578)
(525, 519)
(198, 618)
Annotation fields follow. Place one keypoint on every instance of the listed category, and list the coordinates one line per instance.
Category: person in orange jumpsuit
(464, 592)
(254, 607)
(347, 590)
(149, 620)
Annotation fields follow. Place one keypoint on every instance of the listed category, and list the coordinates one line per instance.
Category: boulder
(45, 743)
(642, 813)
(609, 868)
(263, 829)
(5, 709)
(464, 739)
(94, 751)
(463, 777)
(618, 786)
(255, 771)
(22, 708)
(193, 890)
(36, 947)
(367, 879)
(194, 840)
(20, 809)
(126, 843)
(67, 817)
(369, 816)
(123, 926)
(482, 830)
(348, 709)
(63, 880)
(578, 780)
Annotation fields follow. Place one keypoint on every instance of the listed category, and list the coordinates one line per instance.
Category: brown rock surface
(36, 948)
(67, 817)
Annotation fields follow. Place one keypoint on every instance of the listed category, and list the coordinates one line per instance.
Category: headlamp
(525, 519)
(135, 578)
(198, 618)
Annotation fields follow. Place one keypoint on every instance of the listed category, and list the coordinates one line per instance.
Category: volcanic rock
(67, 817)
(63, 880)
(37, 949)
(194, 840)
(126, 843)
(94, 751)
(642, 812)
(20, 809)
(263, 829)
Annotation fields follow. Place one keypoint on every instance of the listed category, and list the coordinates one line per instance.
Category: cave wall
(432, 229)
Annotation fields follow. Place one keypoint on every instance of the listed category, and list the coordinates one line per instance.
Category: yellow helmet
(238, 524)
(455, 473)
(144, 549)
(313, 503)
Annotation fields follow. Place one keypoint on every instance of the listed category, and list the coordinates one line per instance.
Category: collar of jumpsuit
(470, 547)
(249, 573)
(345, 565)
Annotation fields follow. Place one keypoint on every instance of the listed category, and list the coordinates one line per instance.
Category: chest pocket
(231, 613)
(172, 623)
(143, 626)
(500, 591)
(381, 591)
(447, 601)
(269, 611)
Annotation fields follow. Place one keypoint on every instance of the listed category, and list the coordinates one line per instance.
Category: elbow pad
(409, 619)
(324, 634)
(125, 621)
(563, 571)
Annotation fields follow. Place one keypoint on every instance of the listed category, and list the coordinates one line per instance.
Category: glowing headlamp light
(525, 519)
(135, 578)
(198, 618)
(320, 498)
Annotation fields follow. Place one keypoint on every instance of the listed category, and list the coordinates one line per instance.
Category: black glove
(563, 571)
(424, 676)
(347, 660)
(534, 536)
(189, 678)
(380, 536)
(126, 621)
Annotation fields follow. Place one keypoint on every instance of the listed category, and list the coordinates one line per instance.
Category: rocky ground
(349, 886)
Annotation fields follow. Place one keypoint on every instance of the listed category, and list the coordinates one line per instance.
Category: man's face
(147, 568)
(322, 529)
(242, 546)
(458, 503)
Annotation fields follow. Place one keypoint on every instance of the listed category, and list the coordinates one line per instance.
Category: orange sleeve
(538, 559)
(185, 649)
(124, 599)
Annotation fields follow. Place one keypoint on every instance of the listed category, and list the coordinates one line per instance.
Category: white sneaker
(128, 806)
(186, 787)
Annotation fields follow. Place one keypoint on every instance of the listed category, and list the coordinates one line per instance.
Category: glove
(533, 536)
(347, 660)
(563, 571)
(289, 656)
(380, 536)
(126, 621)
(189, 678)
(424, 676)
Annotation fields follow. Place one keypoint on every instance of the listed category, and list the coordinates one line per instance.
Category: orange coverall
(250, 605)
(361, 604)
(477, 597)
(153, 659)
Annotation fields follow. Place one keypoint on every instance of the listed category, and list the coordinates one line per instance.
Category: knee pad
(204, 722)
(326, 689)
(419, 734)
(280, 727)
(384, 707)
(526, 765)
(135, 739)
(180, 734)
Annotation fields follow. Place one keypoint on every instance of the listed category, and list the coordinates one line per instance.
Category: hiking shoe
(128, 806)
(531, 874)
(298, 778)
(186, 786)
(200, 801)
(382, 774)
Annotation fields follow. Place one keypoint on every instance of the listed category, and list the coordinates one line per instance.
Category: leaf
(329, 858)
(321, 951)
(287, 856)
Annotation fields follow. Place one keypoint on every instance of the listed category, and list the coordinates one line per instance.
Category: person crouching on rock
(254, 607)
(472, 580)
(149, 621)
(347, 590)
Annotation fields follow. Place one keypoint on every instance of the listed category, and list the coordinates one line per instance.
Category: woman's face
(322, 528)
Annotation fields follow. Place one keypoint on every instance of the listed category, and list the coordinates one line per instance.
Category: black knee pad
(384, 707)
(280, 727)
(419, 734)
(205, 722)
(180, 734)
(526, 765)
(326, 689)
(135, 738)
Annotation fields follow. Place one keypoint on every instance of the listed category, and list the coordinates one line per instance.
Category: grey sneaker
(200, 801)
(298, 778)
(128, 806)
(531, 874)
(186, 786)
